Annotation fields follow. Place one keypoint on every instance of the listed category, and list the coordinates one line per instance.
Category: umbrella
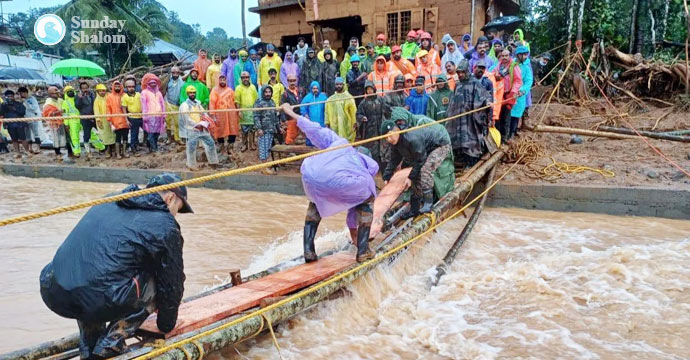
(17, 73)
(509, 23)
(77, 67)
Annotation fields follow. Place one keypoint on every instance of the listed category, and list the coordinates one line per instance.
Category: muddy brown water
(527, 284)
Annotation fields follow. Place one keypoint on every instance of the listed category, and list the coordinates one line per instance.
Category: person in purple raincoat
(228, 68)
(336, 181)
(289, 67)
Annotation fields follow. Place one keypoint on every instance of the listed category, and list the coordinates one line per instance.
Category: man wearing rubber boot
(425, 149)
(122, 262)
(334, 181)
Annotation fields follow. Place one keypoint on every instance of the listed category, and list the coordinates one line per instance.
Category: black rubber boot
(363, 251)
(414, 208)
(428, 197)
(310, 228)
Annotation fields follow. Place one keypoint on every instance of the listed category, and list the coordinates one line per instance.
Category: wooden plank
(206, 310)
(386, 198)
(297, 149)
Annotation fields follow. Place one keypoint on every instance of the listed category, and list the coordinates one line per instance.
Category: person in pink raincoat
(152, 102)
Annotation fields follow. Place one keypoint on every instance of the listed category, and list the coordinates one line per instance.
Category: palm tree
(144, 21)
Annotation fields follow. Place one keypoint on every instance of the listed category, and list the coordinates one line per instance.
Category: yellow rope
(557, 169)
(273, 335)
(323, 284)
(222, 174)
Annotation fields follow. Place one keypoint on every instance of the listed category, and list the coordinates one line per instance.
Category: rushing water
(527, 284)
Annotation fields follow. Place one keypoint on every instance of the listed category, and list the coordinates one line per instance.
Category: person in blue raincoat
(522, 54)
(314, 112)
(335, 181)
(418, 100)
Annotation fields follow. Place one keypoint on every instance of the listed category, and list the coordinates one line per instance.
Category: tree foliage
(610, 20)
(145, 21)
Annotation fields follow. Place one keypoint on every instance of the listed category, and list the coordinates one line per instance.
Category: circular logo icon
(49, 29)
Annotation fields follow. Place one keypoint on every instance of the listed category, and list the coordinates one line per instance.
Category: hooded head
(244, 56)
(266, 92)
(288, 58)
(149, 78)
(369, 85)
(202, 54)
(380, 61)
(318, 88)
(446, 38)
(232, 53)
(451, 46)
(116, 89)
(330, 55)
(518, 35)
(441, 82)
(68, 91)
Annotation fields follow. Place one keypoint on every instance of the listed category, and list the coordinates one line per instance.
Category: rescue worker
(370, 115)
(128, 269)
(335, 181)
(425, 149)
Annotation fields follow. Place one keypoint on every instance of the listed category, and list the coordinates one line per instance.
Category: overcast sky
(207, 13)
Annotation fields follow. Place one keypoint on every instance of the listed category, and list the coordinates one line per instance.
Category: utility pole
(244, 28)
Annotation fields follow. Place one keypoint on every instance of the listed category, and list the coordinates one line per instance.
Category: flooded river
(528, 284)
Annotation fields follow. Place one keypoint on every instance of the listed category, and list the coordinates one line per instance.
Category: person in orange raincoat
(380, 76)
(400, 65)
(201, 65)
(227, 123)
(427, 45)
(119, 124)
(427, 68)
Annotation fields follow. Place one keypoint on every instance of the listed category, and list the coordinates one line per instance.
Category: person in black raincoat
(311, 71)
(369, 120)
(395, 98)
(467, 132)
(330, 69)
(122, 262)
(356, 79)
(424, 148)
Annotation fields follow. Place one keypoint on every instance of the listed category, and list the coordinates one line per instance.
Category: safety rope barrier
(156, 113)
(303, 293)
(222, 174)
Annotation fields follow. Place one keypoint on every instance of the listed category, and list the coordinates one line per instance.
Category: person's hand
(286, 107)
(385, 182)
(112, 127)
(364, 119)
(520, 93)
(260, 132)
(129, 124)
(408, 183)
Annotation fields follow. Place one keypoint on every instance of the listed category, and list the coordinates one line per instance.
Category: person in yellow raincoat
(72, 122)
(270, 61)
(245, 97)
(105, 132)
(341, 112)
(213, 72)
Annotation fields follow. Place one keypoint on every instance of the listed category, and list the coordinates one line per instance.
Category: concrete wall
(674, 204)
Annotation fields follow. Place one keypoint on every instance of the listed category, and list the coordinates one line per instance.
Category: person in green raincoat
(444, 176)
(519, 38)
(105, 132)
(72, 122)
(202, 93)
(439, 99)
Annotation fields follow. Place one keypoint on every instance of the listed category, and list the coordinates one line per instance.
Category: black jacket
(414, 147)
(85, 103)
(114, 243)
(13, 109)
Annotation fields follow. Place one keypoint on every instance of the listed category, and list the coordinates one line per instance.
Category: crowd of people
(352, 96)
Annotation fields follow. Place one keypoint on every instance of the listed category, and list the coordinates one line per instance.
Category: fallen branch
(584, 132)
(649, 134)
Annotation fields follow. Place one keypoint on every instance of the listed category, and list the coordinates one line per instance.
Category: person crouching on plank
(425, 149)
(334, 181)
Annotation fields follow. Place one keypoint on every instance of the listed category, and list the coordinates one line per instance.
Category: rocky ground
(633, 162)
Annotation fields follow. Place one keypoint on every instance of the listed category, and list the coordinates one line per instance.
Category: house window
(398, 25)
(392, 27)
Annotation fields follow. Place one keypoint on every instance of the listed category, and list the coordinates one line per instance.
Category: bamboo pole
(649, 134)
(450, 256)
(246, 329)
(584, 132)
